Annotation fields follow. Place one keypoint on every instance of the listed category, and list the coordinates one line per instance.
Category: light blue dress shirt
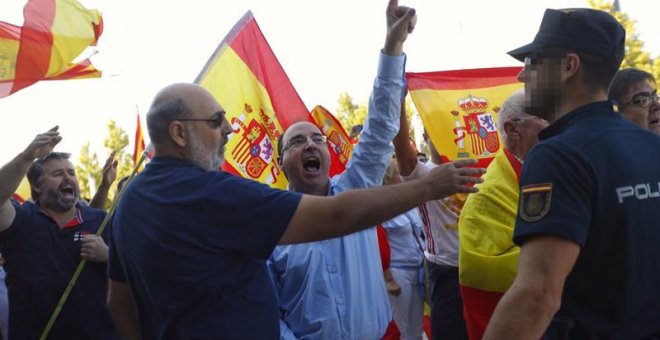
(334, 289)
(404, 235)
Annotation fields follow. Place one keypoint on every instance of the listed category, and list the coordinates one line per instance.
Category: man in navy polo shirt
(189, 243)
(589, 203)
(43, 242)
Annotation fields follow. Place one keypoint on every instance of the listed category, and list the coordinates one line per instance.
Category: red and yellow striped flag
(459, 109)
(138, 147)
(247, 80)
(53, 34)
(340, 144)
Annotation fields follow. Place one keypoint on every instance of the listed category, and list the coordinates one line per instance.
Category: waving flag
(341, 147)
(247, 80)
(459, 109)
(54, 33)
(138, 147)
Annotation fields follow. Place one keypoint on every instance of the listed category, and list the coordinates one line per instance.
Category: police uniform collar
(595, 109)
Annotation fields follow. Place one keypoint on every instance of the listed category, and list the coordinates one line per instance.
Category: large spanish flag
(459, 109)
(54, 33)
(339, 142)
(488, 258)
(247, 80)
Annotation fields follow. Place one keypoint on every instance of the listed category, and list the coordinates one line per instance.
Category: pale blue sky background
(326, 47)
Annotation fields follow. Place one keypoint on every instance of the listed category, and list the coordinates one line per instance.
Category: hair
(597, 71)
(36, 171)
(513, 107)
(161, 114)
(623, 80)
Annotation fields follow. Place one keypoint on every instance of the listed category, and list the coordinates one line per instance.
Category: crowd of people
(556, 239)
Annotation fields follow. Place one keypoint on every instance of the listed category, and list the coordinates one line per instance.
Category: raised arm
(406, 157)
(13, 172)
(354, 210)
(108, 177)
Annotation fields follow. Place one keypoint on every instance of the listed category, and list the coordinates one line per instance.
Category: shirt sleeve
(251, 216)
(556, 195)
(372, 153)
(418, 172)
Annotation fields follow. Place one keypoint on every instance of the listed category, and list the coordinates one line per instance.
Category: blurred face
(641, 106)
(542, 78)
(305, 158)
(58, 187)
(208, 132)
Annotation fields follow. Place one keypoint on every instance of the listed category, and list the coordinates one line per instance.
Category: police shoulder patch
(535, 201)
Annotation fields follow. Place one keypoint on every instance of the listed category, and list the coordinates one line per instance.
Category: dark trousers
(447, 321)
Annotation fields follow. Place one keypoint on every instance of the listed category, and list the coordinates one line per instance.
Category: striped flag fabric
(459, 109)
(246, 78)
(138, 146)
(54, 33)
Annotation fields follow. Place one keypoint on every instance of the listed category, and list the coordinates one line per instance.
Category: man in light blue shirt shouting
(334, 289)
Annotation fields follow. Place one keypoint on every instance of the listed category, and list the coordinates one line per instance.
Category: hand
(401, 21)
(93, 248)
(109, 171)
(453, 177)
(393, 287)
(42, 145)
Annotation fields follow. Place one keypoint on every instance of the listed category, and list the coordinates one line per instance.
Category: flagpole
(83, 262)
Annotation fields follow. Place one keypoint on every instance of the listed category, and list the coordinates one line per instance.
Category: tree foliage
(89, 168)
(636, 56)
(350, 114)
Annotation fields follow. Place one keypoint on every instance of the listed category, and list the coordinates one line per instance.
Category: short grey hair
(160, 115)
(512, 108)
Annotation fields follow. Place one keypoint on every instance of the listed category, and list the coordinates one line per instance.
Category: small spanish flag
(139, 142)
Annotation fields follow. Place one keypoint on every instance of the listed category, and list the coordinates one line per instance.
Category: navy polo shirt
(40, 259)
(192, 245)
(594, 179)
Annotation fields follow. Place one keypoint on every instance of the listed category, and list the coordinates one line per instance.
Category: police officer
(590, 199)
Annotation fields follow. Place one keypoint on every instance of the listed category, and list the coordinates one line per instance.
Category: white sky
(326, 47)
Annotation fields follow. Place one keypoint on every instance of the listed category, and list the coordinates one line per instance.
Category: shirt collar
(596, 109)
(77, 219)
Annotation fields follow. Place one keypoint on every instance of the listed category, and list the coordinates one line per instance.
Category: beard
(543, 105)
(198, 155)
(54, 200)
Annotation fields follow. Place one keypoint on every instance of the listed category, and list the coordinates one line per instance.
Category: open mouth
(311, 164)
(67, 192)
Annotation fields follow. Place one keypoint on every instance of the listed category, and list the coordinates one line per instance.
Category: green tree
(350, 114)
(89, 169)
(635, 55)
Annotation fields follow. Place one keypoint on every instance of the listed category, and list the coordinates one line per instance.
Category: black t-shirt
(192, 245)
(595, 179)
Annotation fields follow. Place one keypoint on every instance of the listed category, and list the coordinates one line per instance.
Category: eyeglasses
(213, 122)
(644, 100)
(300, 140)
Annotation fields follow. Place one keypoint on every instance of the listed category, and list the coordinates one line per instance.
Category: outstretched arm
(13, 172)
(355, 210)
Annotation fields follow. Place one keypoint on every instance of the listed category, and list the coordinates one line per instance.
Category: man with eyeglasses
(635, 92)
(488, 258)
(587, 223)
(335, 289)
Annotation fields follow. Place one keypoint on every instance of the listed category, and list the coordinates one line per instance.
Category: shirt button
(332, 269)
(340, 301)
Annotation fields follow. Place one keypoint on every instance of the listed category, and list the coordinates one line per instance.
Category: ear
(280, 163)
(511, 130)
(178, 133)
(572, 66)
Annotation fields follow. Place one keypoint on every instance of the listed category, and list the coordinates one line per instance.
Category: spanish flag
(339, 142)
(459, 109)
(138, 147)
(53, 34)
(22, 193)
(488, 258)
(247, 80)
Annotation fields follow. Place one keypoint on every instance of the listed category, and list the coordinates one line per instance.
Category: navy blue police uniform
(594, 179)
